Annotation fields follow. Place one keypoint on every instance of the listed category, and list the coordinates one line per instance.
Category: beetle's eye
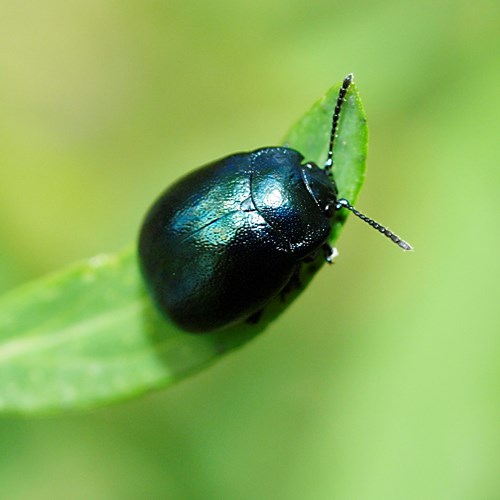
(330, 210)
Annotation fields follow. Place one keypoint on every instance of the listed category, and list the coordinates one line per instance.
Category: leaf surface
(89, 335)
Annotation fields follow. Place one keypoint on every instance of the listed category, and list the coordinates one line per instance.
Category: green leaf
(89, 335)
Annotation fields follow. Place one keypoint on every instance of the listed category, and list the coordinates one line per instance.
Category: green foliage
(89, 335)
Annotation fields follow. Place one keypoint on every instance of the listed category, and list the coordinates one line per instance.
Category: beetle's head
(321, 187)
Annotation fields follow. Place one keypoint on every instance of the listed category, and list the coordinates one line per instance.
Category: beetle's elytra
(223, 241)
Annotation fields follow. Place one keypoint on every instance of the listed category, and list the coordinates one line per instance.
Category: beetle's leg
(311, 257)
(255, 317)
(329, 252)
(293, 283)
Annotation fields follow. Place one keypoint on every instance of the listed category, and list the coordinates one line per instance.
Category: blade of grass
(89, 335)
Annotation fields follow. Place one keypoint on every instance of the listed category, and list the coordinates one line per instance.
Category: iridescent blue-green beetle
(223, 241)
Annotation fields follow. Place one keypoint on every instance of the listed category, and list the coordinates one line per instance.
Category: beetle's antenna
(343, 203)
(335, 120)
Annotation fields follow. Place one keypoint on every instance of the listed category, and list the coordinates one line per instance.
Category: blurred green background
(382, 381)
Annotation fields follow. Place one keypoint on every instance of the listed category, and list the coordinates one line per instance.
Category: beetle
(226, 239)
